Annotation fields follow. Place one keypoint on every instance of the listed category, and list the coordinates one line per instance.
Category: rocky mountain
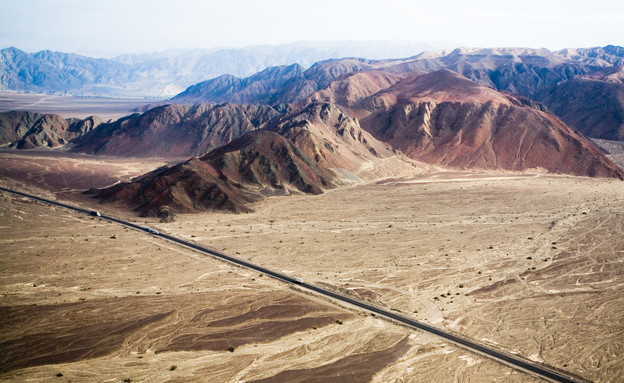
(277, 85)
(178, 131)
(261, 88)
(597, 56)
(286, 129)
(255, 165)
(439, 118)
(61, 73)
(593, 104)
(165, 74)
(613, 74)
(331, 138)
(304, 151)
(446, 119)
(27, 130)
(523, 71)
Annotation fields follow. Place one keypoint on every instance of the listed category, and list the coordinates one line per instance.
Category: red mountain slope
(256, 165)
(443, 118)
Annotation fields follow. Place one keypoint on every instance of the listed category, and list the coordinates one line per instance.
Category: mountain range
(288, 129)
(164, 74)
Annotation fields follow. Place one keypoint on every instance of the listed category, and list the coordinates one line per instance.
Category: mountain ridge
(252, 167)
(165, 74)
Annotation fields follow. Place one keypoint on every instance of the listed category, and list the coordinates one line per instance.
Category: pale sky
(109, 27)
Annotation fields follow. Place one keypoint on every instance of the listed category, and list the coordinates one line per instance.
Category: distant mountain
(275, 85)
(592, 104)
(164, 74)
(250, 168)
(524, 71)
(61, 73)
(237, 79)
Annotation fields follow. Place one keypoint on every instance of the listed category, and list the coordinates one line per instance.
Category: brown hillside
(443, 118)
(175, 130)
(28, 130)
(593, 106)
(331, 138)
(349, 91)
(254, 166)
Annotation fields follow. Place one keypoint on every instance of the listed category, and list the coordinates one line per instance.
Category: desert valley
(479, 191)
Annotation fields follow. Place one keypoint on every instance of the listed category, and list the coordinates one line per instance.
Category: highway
(509, 359)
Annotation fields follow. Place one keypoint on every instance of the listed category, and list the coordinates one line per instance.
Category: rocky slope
(443, 118)
(27, 130)
(256, 165)
(439, 118)
(523, 71)
(594, 104)
(264, 87)
(179, 131)
(331, 138)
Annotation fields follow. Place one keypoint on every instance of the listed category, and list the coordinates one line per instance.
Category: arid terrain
(530, 263)
(69, 106)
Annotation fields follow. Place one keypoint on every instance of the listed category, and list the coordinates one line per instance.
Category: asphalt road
(512, 360)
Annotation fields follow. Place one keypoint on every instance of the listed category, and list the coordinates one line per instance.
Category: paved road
(510, 359)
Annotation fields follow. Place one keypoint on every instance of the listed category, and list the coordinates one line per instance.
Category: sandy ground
(529, 263)
(532, 264)
(68, 175)
(95, 302)
(69, 106)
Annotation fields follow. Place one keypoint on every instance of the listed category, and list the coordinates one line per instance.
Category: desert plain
(530, 263)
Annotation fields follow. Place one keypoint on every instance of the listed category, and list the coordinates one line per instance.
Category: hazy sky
(109, 27)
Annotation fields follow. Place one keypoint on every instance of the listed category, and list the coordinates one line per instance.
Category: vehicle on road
(152, 231)
(95, 213)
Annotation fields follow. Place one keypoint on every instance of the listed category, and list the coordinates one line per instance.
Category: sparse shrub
(338, 321)
(59, 374)
(173, 367)
(529, 258)
(231, 349)
(127, 380)
(461, 285)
